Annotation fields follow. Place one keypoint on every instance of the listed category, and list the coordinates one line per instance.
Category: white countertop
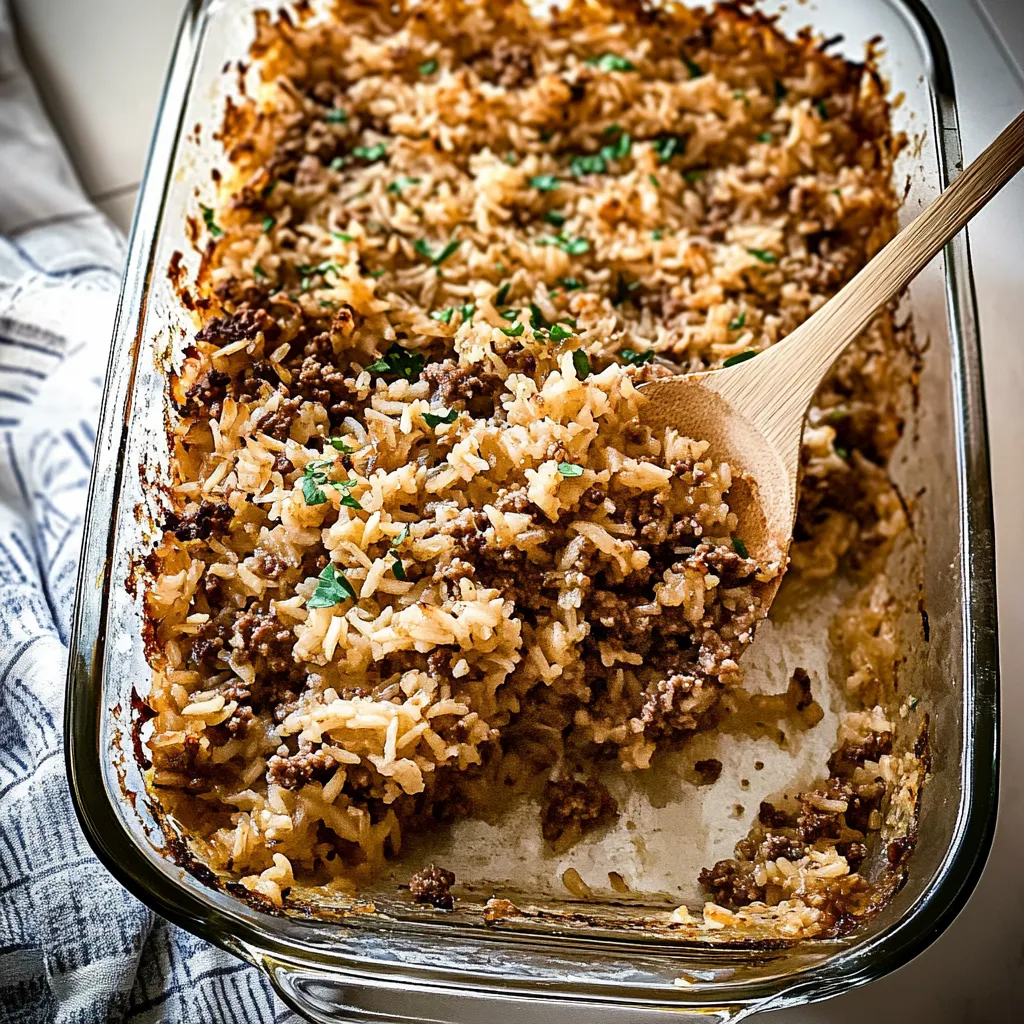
(100, 65)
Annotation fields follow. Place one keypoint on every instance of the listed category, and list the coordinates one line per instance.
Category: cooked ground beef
(575, 804)
(433, 885)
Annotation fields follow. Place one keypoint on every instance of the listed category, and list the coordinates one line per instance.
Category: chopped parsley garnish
(570, 469)
(843, 453)
(510, 158)
(268, 189)
(432, 420)
(740, 548)
(515, 330)
(341, 236)
(336, 116)
(587, 163)
(502, 294)
(693, 175)
(467, 310)
(623, 289)
(572, 246)
(331, 589)
(819, 106)
(633, 358)
(913, 703)
(666, 147)
(692, 66)
(546, 136)
(258, 271)
(739, 94)
(398, 568)
(555, 217)
(781, 92)
(337, 163)
(314, 480)
(544, 182)
(763, 255)
(560, 333)
(570, 284)
(656, 235)
(402, 537)
(371, 153)
(737, 324)
(654, 180)
(424, 250)
(211, 225)
(398, 362)
(611, 62)
(326, 304)
(740, 357)
(443, 315)
(619, 149)
(766, 137)
(537, 321)
(338, 445)
(402, 182)
(580, 362)
(268, 223)
(428, 67)
(377, 274)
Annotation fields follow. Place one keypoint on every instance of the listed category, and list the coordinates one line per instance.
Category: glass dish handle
(342, 997)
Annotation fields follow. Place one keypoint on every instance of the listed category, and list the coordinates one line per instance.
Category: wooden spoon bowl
(752, 414)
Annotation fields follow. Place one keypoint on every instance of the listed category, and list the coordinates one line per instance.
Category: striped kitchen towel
(74, 946)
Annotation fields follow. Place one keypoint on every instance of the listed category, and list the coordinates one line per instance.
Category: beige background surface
(100, 65)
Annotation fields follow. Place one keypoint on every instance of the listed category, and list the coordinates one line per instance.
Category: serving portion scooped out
(433, 541)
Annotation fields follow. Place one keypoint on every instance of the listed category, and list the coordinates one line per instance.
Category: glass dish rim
(258, 937)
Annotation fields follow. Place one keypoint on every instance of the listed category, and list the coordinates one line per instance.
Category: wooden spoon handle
(790, 372)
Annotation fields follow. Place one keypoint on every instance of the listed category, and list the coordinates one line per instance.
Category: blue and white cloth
(75, 948)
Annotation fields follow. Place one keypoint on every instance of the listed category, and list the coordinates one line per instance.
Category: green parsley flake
(341, 236)
(402, 537)
(424, 250)
(433, 420)
(428, 67)
(580, 361)
(740, 548)
(537, 321)
(693, 175)
(398, 568)
(766, 137)
(781, 92)
(822, 110)
(912, 704)
(584, 163)
(656, 235)
(211, 224)
(555, 217)
(398, 362)
(402, 182)
(331, 589)
(843, 453)
(570, 469)
(570, 284)
(258, 271)
(467, 310)
(572, 246)
(691, 66)
(737, 324)
(371, 153)
(544, 182)
(666, 147)
(338, 445)
(740, 357)
(623, 289)
(514, 331)
(443, 315)
(559, 333)
(336, 116)
(619, 149)
(337, 163)
(632, 358)
(763, 255)
(654, 180)
(502, 294)
(268, 223)
(611, 62)
(314, 480)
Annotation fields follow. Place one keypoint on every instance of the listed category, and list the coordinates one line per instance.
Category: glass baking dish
(401, 964)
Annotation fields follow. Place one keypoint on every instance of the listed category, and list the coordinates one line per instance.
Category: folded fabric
(74, 946)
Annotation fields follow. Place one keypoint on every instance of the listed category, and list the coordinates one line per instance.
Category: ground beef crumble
(580, 805)
(433, 885)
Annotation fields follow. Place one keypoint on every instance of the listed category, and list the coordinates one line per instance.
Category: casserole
(588, 960)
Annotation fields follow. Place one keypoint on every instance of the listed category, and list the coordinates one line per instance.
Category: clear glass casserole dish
(403, 964)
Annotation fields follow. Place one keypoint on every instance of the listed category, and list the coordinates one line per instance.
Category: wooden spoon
(752, 413)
